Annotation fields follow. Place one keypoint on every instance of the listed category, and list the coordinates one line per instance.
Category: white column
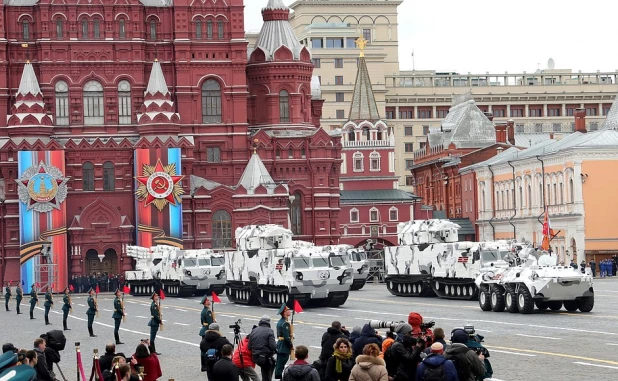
(508, 110)
(344, 168)
(545, 110)
(526, 111)
(563, 110)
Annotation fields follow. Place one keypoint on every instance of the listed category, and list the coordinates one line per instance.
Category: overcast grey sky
(498, 35)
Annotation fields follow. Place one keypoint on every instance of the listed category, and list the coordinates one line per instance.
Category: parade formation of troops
(285, 346)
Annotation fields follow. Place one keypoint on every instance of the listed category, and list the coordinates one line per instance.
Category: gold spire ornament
(361, 43)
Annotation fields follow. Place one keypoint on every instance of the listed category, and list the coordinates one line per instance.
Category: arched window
(374, 161)
(62, 103)
(211, 102)
(84, 29)
(25, 29)
(284, 107)
(198, 29)
(290, 153)
(59, 27)
(393, 213)
(366, 134)
(88, 176)
(358, 162)
(541, 200)
(571, 191)
(374, 215)
(351, 136)
(93, 103)
(109, 176)
(521, 197)
(354, 215)
(529, 196)
(122, 28)
(153, 30)
(221, 230)
(96, 28)
(124, 102)
(209, 29)
(220, 29)
(379, 135)
(561, 194)
(296, 214)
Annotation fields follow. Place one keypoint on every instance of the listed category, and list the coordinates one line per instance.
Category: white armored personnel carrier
(268, 267)
(533, 279)
(203, 269)
(421, 242)
(166, 267)
(360, 267)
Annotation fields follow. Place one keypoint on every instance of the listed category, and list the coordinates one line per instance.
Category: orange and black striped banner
(31, 249)
(159, 236)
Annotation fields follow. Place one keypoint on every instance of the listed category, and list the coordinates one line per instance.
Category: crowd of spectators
(107, 282)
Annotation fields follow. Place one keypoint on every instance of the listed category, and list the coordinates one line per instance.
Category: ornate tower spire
(364, 106)
(29, 108)
(158, 107)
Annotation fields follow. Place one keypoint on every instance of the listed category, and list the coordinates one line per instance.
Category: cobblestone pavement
(545, 345)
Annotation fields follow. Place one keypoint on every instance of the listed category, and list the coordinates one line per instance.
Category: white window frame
(361, 157)
(124, 102)
(374, 157)
(93, 103)
(371, 211)
(393, 209)
(352, 211)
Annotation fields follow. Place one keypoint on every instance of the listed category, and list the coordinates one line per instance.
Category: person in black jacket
(225, 369)
(42, 372)
(405, 353)
(211, 339)
(263, 346)
(368, 335)
(105, 361)
(334, 332)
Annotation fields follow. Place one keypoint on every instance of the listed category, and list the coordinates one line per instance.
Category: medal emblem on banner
(42, 188)
(159, 185)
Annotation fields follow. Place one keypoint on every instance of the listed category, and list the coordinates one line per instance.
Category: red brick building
(467, 136)
(371, 204)
(111, 86)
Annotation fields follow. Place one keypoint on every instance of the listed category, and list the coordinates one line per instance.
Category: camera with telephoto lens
(426, 326)
(377, 324)
(236, 326)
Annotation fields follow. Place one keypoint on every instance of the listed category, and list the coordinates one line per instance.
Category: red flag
(96, 291)
(71, 288)
(126, 289)
(215, 297)
(297, 307)
(161, 294)
(548, 232)
(37, 285)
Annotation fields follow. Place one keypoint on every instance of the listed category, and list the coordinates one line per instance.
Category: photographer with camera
(403, 357)
(468, 363)
(211, 345)
(243, 359)
(263, 347)
(368, 336)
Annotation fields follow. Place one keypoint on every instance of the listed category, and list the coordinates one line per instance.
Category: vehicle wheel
(570, 305)
(541, 305)
(497, 299)
(555, 305)
(510, 299)
(586, 303)
(484, 298)
(525, 304)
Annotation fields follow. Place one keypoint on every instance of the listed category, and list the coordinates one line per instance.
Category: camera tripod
(237, 340)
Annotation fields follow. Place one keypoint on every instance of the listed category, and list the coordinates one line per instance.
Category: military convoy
(360, 267)
(177, 272)
(268, 267)
(533, 278)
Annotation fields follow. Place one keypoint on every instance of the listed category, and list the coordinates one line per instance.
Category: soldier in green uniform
(92, 310)
(7, 295)
(49, 302)
(155, 320)
(118, 314)
(34, 300)
(284, 343)
(206, 316)
(18, 298)
(66, 307)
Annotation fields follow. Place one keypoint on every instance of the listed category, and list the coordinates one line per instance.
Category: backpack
(212, 355)
(391, 362)
(462, 365)
(434, 372)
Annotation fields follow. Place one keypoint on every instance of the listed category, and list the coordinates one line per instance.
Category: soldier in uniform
(92, 310)
(34, 299)
(118, 314)
(7, 295)
(49, 302)
(206, 316)
(284, 343)
(155, 320)
(66, 307)
(18, 298)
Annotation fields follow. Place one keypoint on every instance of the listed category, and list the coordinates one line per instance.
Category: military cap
(204, 299)
(153, 295)
(282, 309)
(8, 359)
(117, 291)
(91, 290)
(66, 289)
(19, 373)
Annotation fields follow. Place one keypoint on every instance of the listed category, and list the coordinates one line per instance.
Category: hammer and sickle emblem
(159, 184)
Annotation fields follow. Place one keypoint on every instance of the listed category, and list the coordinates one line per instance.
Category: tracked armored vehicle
(454, 272)
(408, 266)
(268, 267)
(203, 269)
(167, 267)
(534, 279)
(360, 267)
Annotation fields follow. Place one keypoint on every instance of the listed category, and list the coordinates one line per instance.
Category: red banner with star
(158, 196)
